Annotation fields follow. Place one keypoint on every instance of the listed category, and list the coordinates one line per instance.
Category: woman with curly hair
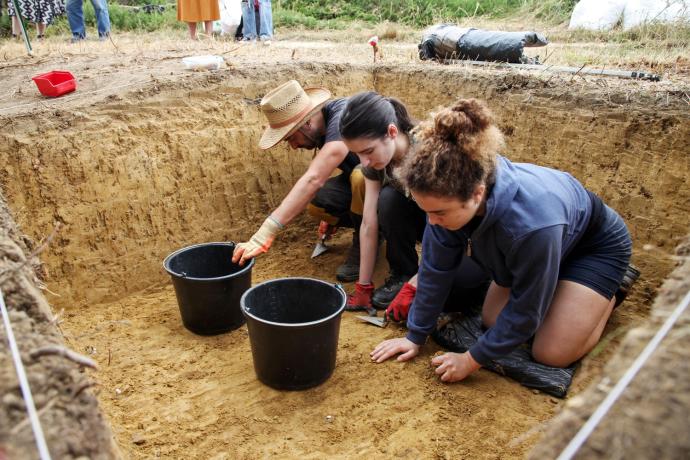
(556, 253)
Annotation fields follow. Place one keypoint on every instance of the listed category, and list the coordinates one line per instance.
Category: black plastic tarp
(447, 41)
(459, 332)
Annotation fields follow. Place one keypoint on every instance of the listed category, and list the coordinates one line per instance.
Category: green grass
(418, 13)
(332, 14)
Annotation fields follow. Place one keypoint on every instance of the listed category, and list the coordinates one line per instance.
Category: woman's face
(374, 153)
(449, 212)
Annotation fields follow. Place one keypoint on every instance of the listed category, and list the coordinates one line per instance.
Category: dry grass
(656, 49)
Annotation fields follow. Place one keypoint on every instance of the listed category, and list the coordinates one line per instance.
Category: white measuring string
(587, 429)
(24, 384)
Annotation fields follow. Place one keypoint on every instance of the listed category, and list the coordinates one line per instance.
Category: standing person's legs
(16, 28)
(248, 20)
(75, 17)
(208, 28)
(266, 20)
(402, 223)
(100, 7)
(192, 30)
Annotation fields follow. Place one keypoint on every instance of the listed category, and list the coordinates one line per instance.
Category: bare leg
(208, 27)
(573, 324)
(16, 29)
(192, 30)
(41, 29)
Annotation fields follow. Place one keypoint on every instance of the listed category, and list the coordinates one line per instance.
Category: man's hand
(259, 243)
(361, 298)
(453, 367)
(392, 347)
(400, 306)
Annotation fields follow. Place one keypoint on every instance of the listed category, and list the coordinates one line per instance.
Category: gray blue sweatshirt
(534, 217)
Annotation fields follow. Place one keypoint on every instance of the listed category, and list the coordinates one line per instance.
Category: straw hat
(287, 108)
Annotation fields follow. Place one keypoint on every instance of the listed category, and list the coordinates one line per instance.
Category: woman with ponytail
(556, 253)
(377, 129)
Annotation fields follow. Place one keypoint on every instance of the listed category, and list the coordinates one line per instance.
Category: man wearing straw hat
(306, 118)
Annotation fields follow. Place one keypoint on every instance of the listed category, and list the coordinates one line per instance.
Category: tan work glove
(259, 243)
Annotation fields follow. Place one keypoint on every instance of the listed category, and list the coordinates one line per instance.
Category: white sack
(638, 12)
(230, 17)
(596, 14)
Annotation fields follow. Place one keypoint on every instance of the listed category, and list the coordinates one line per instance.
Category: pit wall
(141, 175)
(137, 178)
(62, 391)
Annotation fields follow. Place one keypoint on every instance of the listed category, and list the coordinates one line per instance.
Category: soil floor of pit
(173, 394)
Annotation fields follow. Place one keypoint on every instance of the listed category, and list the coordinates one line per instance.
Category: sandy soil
(195, 397)
(145, 158)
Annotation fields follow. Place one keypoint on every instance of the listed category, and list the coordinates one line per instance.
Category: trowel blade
(380, 322)
(319, 249)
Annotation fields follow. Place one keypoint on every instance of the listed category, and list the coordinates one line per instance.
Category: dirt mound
(60, 388)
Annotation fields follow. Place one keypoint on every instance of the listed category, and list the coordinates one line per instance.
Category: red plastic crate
(55, 83)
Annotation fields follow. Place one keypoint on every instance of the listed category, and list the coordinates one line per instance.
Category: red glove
(326, 230)
(400, 306)
(361, 299)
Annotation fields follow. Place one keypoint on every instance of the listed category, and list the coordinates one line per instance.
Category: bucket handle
(341, 288)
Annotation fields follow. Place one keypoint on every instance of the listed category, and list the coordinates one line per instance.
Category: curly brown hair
(454, 151)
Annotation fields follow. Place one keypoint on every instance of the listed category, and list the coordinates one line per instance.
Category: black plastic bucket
(293, 329)
(209, 286)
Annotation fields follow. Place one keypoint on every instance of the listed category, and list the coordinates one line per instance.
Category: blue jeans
(75, 17)
(249, 19)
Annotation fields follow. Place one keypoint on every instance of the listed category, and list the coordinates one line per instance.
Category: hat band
(293, 118)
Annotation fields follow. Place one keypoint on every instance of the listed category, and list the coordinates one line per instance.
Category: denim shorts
(601, 257)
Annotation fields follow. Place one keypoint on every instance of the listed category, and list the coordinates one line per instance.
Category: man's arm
(320, 169)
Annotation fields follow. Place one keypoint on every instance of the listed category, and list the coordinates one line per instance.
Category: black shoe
(384, 295)
(631, 275)
(349, 270)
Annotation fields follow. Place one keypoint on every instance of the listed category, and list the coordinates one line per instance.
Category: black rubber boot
(631, 275)
(384, 295)
(349, 270)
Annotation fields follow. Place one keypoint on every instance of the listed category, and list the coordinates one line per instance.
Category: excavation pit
(133, 178)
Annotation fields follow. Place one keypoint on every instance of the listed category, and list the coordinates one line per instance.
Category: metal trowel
(380, 322)
(320, 247)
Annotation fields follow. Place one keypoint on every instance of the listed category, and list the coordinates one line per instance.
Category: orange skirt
(197, 10)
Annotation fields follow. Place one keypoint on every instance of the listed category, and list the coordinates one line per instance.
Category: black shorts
(601, 257)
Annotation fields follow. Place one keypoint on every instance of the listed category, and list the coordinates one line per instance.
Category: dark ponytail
(368, 115)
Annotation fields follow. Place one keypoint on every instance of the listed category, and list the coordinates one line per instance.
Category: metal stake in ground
(23, 381)
(635, 74)
(22, 27)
